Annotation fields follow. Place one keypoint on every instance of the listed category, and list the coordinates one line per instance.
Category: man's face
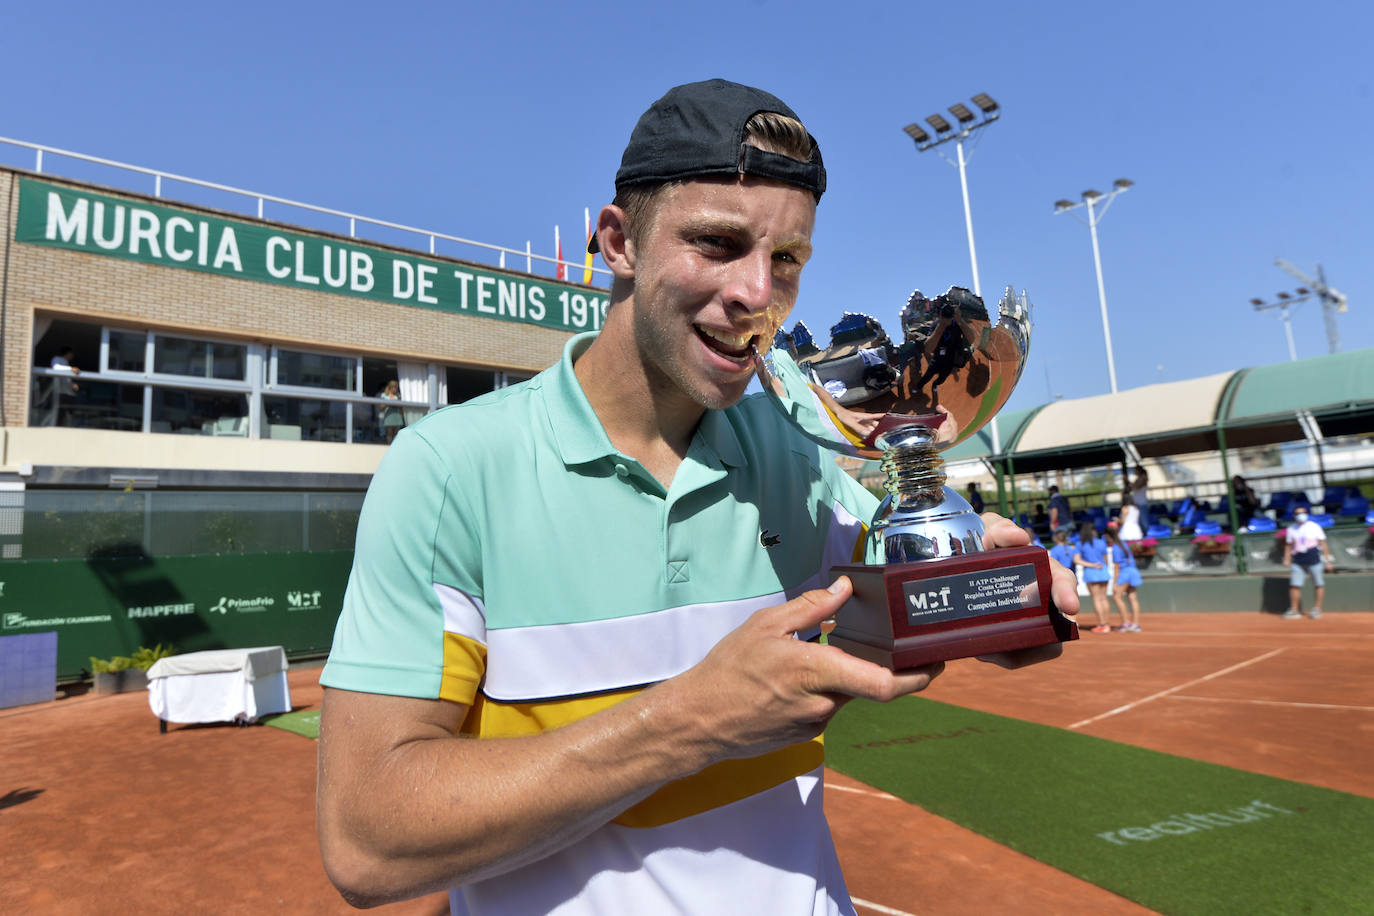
(716, 271)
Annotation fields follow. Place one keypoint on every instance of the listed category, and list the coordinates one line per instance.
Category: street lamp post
(1092, 200)
(967, 125)
(1286, 300)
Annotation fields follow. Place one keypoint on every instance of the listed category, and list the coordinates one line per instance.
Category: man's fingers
(1001, 532)
(1063, 589)
(808, 609)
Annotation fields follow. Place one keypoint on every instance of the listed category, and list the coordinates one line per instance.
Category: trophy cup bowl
(930, 590)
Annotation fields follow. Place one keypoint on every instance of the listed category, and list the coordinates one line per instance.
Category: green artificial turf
(1052, 794)
(306, 722)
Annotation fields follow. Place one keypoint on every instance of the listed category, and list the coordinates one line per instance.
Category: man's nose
(750, 285)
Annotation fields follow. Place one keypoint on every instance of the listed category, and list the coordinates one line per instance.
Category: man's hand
(764, 689)
(1002, 532)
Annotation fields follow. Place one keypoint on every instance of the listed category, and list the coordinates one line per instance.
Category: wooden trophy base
(904, 615)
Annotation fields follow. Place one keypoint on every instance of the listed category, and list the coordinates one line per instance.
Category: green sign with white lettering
(62, 217)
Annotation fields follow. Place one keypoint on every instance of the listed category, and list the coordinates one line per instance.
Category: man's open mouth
(730, 344)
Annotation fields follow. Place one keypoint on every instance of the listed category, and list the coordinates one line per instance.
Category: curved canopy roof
(1249, 406)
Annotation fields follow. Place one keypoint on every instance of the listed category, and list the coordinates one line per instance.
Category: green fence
(110, 571)
(106, 606)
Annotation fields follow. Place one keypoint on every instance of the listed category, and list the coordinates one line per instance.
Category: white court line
(878, 907)
(1277, 703)
(873, 792)
(1165, 693)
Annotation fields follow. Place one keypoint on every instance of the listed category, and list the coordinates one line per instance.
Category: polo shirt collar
(578, 431)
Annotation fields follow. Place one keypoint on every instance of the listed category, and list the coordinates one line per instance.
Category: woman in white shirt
(1130, 519)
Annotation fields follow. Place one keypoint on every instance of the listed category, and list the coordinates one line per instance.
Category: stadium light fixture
(968, 123)
(915, 132)
(1097, 204)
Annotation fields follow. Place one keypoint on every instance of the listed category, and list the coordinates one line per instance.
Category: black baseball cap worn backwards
(697, 130)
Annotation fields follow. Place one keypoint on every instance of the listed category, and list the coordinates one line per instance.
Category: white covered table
(221, 685)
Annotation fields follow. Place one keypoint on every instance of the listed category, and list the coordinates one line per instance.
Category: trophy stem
(913, 469)
(921, 519)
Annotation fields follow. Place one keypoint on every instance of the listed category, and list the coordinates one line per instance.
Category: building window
(199, 358)
(199, 412)
(127, 351)
(465, 384)
(304, 418)
(316, 370)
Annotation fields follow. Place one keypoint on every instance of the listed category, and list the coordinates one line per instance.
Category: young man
(603, 575)
(1305, 551)
(1061, 517)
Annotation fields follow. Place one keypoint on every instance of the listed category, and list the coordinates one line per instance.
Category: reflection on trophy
(927, 594)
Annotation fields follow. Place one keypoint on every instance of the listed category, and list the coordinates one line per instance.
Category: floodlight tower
(968, 125)
(1333, 301)
(1284, 303)
(1092, 200)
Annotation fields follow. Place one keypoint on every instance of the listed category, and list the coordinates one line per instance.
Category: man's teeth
(731, 341)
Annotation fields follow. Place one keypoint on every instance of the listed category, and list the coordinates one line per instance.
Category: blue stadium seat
(1334, 496)
(1369, 517)
(1224, 505)
(1323, 519)
(1262, 523)
(1355, 505)
(1206, 527)
(1279, 501)
(1159, 530)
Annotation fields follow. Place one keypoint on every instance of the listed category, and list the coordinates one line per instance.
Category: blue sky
(1246, 128)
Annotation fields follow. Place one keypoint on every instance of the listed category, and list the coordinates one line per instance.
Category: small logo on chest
(768, 539)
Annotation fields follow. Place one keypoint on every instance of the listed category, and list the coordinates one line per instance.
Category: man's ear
(617, 250)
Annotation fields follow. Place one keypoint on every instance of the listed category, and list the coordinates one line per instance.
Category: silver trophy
(949, 372)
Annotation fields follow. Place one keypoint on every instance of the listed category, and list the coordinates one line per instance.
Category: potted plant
(1145, 547)
(1213, 543)
(126, 673)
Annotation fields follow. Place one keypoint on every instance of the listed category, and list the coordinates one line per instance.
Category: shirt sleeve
(400, 632)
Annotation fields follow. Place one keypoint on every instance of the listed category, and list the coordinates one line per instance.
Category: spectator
(64, 388)
(1246, 501)
(392, 417)
(1305, 551)
(1140, 485)
(975, 499)
(1092, 556)
(1130, 518)
(1061, 519)
(1127, 583)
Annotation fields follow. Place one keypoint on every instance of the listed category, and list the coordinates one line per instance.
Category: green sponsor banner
(104, 607)
(62, 217)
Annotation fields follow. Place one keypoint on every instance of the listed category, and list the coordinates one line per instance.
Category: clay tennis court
(101, 813)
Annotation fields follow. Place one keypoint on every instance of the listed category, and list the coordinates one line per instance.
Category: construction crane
(1333, 301)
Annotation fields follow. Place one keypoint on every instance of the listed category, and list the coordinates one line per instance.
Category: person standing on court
(1305, 552)
(1127, 582)
(1091, 554)
(620, 714)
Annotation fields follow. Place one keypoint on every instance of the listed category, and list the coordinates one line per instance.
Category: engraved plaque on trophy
(931, 591)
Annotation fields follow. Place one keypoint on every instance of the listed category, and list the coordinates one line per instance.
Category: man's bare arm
(405, 808)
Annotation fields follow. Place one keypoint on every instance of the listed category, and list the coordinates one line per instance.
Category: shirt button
(621, 471)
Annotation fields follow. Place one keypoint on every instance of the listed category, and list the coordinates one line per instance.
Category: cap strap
(808, 175)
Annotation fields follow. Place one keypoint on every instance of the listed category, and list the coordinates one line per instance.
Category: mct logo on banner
(62, 217)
